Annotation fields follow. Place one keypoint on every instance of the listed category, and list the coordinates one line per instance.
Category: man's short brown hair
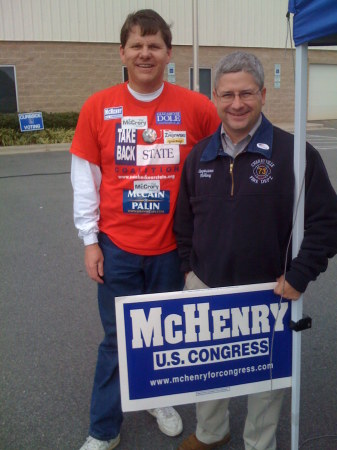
(150, 22)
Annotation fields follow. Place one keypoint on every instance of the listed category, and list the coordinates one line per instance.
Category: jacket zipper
(232, 176)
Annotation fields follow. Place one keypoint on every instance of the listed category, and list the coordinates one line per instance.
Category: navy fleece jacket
(233, 218)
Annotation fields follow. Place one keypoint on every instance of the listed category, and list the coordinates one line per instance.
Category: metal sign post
(195, 47)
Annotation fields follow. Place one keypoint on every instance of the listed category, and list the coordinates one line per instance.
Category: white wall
(240, 23)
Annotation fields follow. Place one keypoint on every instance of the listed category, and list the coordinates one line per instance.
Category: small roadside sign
(31, 121)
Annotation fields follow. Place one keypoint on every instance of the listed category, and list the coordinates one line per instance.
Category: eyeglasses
(245, 96)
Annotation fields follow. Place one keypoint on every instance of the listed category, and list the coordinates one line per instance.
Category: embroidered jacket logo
(205, 173)
(262, 171)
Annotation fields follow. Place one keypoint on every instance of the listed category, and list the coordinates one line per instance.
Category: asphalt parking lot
(50, 327)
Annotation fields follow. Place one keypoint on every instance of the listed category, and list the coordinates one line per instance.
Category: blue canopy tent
(314, 24)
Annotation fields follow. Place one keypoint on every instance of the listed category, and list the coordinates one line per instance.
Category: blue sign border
(31, 121)
(160, 370)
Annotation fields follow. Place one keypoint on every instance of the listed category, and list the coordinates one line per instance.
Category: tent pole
(299, 170)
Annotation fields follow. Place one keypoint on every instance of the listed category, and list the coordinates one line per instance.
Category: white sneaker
(95, 444)
(169, 421)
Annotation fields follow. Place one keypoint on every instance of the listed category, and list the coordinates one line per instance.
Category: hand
(93, 259)
(284, 289)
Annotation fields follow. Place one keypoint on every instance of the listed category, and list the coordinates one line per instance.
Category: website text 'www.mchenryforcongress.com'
(204, 376)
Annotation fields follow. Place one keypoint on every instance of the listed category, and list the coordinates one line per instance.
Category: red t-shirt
(141, 175)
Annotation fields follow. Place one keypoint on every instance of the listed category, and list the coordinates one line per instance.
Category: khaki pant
(263, 409)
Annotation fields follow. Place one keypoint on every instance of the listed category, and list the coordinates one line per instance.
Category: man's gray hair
(240, 62)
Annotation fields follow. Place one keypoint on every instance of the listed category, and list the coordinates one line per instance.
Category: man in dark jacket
(234, 219)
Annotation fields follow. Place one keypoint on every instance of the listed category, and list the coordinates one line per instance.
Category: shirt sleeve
(85, 141)
(86, 180)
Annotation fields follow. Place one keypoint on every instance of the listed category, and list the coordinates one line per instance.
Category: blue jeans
(124, 274)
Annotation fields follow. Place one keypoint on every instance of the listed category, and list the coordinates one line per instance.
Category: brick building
(54, 54)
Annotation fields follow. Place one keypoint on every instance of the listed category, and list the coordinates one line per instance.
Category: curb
(36, 148)
(310, 126)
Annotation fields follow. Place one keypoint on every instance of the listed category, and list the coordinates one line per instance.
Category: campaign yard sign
(190, 346)
(31, 121)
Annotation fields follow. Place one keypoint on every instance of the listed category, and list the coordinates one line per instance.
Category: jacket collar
(261, 142)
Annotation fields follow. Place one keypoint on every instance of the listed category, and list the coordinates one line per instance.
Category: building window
(8, 97)
(125, 74)
(205, 81)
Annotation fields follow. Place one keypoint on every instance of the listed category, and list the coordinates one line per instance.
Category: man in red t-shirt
(129, 147)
